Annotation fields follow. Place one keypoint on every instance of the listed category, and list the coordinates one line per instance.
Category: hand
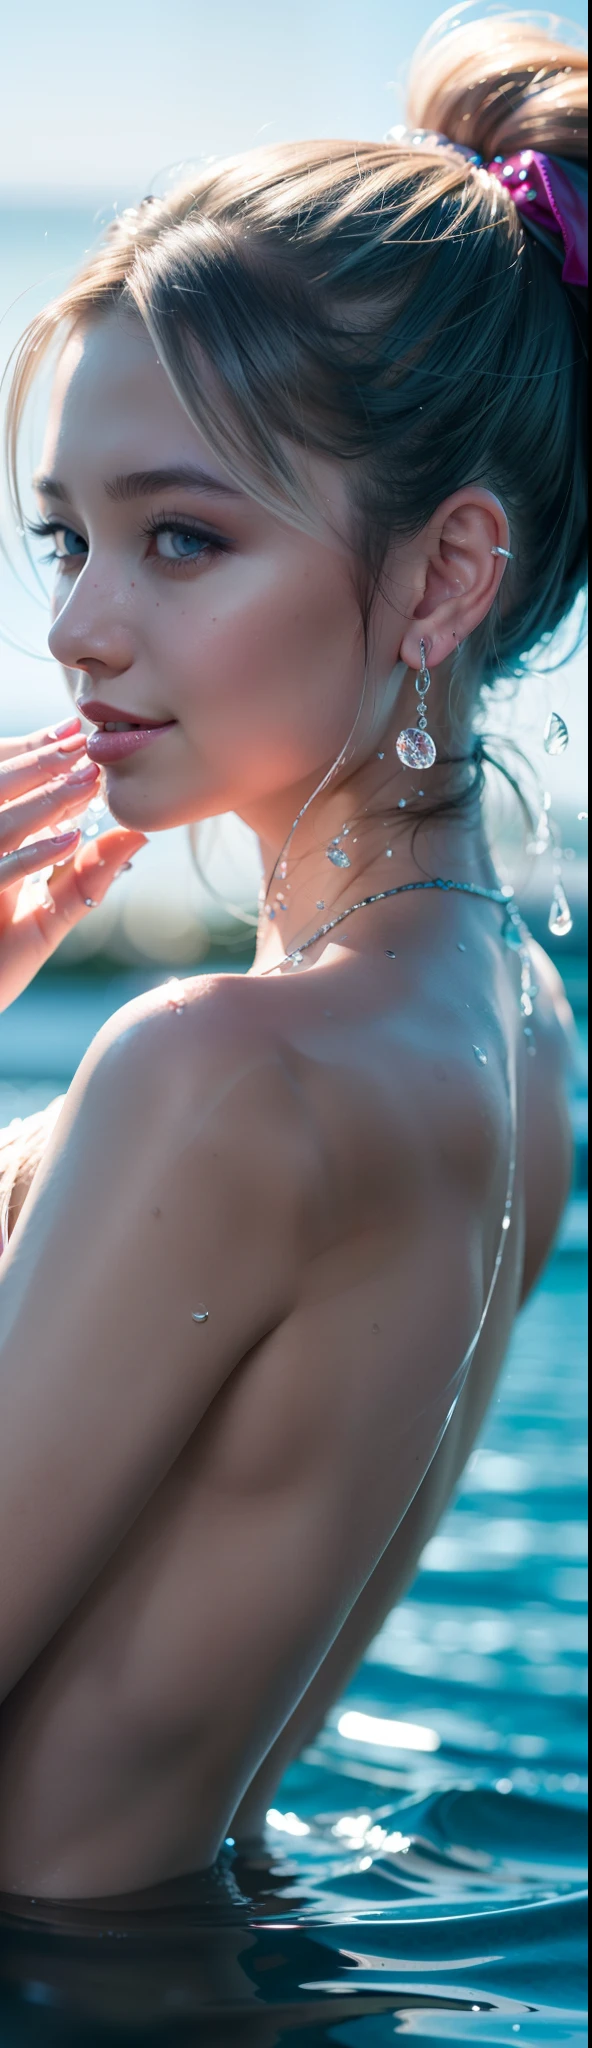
(46, 781)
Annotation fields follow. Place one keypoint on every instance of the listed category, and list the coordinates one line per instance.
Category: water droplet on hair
(560, 917)
(296, 959)
(480, 1055)
(200, 1314)
(283, 870)
(555, 736)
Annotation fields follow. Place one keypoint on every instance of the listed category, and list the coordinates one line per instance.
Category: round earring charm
(415, 746)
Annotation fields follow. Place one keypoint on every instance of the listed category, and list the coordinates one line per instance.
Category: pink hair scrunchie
(552, 195)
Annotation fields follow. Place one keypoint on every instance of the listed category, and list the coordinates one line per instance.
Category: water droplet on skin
(339, 859)
(389, 853)
(480, 1055)
(380, 757)
(403, 803)
(321, 903)
(89, 902)
(176, 998)
(200, 1314)
(556, 735)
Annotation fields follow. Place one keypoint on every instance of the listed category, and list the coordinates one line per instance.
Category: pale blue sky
(104, 98)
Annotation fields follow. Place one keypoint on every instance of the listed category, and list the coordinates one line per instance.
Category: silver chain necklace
(514, 931)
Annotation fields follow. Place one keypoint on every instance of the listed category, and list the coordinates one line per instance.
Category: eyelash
(157, 523)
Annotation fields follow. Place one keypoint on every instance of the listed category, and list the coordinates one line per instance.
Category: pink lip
(106, 747)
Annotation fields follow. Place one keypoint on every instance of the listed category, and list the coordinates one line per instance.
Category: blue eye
(175, 545)
(69, 545)
(72, 543)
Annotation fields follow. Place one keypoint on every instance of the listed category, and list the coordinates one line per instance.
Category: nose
(90, 634)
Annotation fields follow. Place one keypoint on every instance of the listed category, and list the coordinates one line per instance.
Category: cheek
(286, 650)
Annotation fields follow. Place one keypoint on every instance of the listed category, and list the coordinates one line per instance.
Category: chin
(138, 814)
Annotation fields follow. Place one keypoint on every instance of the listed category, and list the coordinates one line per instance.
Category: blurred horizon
(107, 111)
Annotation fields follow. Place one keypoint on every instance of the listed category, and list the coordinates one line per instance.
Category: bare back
(293, 1516)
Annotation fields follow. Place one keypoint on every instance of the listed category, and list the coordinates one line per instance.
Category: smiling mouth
(107, 720)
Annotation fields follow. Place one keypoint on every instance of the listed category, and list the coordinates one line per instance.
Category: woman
(313, 471)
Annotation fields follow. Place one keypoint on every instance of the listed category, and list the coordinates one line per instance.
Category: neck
(374, 818)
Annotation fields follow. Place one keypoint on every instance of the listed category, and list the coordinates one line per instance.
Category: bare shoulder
(191, 1078)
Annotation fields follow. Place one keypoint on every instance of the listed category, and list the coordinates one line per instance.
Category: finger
(28, 743)
(45, 806)
(27, 859)
(26, 771)
(81, 883)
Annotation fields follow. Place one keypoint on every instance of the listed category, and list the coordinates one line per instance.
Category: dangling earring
(415, 746)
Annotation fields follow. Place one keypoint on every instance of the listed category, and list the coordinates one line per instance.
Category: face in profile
(181, 601)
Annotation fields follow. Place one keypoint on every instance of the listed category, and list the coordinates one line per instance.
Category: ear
(458, 572)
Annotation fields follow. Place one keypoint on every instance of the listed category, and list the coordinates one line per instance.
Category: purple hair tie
(552, 195)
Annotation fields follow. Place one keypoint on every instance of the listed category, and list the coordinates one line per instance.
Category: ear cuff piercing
(506, 552)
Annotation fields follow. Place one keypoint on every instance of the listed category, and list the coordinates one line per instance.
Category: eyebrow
(142, 483)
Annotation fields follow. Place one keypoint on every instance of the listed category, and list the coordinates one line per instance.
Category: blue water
(431, 1896)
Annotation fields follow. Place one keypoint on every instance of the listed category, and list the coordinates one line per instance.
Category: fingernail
(60, 839)
(86, 773)
(72, 746)
(58, 732)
